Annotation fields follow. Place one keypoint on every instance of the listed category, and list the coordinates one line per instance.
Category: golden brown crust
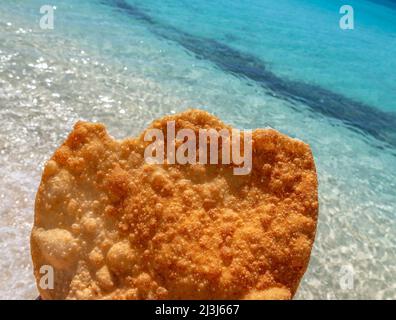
(115, 227)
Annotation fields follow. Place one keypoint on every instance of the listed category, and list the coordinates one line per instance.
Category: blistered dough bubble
(121, 257)
(58, 247)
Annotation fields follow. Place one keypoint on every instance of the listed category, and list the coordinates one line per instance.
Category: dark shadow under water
(368, 120)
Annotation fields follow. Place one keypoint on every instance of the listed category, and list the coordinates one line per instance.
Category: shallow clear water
(260, 64)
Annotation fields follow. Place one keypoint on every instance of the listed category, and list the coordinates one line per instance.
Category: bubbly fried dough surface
(114, 227)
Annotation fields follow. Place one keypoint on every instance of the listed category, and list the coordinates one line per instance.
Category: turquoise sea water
(284, 64)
